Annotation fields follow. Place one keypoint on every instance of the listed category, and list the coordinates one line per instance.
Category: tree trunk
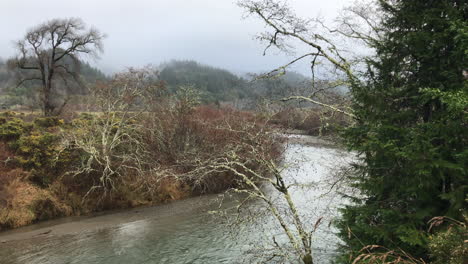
(48, 107)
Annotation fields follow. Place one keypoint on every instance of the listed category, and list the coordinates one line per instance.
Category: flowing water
(186, 231)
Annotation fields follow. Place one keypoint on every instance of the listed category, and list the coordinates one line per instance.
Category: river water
(188, 231)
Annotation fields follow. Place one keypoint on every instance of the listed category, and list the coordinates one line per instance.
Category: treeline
(253, 92)
(216, 85)
(219, 85)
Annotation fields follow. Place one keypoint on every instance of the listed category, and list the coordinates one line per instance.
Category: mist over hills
(218, 84)
(215, 84)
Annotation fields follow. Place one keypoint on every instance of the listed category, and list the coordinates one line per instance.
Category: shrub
(38, 153)
(12, 129)
(158, 156)
(8, 114)
(449, 245)
(313, 121)
(46, 122)
(190, 143)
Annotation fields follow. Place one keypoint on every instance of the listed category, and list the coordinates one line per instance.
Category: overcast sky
(142, 32)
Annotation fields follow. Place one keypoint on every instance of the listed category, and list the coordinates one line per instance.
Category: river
(187, 231)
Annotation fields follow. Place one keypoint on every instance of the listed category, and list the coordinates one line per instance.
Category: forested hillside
(220, 85)
(216, 85)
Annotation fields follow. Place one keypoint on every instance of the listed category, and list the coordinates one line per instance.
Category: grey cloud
(142, 32)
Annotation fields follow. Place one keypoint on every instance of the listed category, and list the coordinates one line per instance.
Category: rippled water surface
(179, 232)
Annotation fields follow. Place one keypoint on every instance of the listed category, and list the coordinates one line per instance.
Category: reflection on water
(183, 232)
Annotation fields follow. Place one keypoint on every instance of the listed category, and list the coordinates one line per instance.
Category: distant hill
(215, 84)
(221, 85)
(88, 73)
(91, 74)
(290, 83)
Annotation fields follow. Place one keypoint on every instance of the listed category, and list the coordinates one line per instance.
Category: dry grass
(27, 203)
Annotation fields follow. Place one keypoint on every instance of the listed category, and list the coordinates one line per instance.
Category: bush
(203, 134)
(449, 245)
(46, 122)
(11, 129)
(313, 121)
(159, 157)
(35, 149)
(38, 153)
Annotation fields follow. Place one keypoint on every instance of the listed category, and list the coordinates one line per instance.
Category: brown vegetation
(37, 172)
(314, 121)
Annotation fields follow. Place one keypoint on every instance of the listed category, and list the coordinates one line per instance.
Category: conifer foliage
(412, 128)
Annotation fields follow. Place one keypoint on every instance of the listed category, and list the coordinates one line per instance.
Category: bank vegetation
(136, 146)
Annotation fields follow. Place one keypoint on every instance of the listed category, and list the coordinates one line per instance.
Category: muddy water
(184, 231)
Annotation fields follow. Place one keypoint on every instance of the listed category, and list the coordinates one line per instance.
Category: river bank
(181, 231)
(88, 163)
(109, 218)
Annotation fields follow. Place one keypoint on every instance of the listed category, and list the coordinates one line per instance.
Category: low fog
(142, 32)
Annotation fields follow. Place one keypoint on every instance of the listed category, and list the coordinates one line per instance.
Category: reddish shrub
(185, 141)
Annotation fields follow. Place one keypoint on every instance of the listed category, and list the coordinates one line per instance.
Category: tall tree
(412, 128)
(49, 54)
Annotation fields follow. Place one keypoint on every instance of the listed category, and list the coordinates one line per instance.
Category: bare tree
(264, 183)
(49, 55)
(285, 30)
(111, 139)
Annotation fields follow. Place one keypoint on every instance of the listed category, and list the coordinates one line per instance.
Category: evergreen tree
(412, 128)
